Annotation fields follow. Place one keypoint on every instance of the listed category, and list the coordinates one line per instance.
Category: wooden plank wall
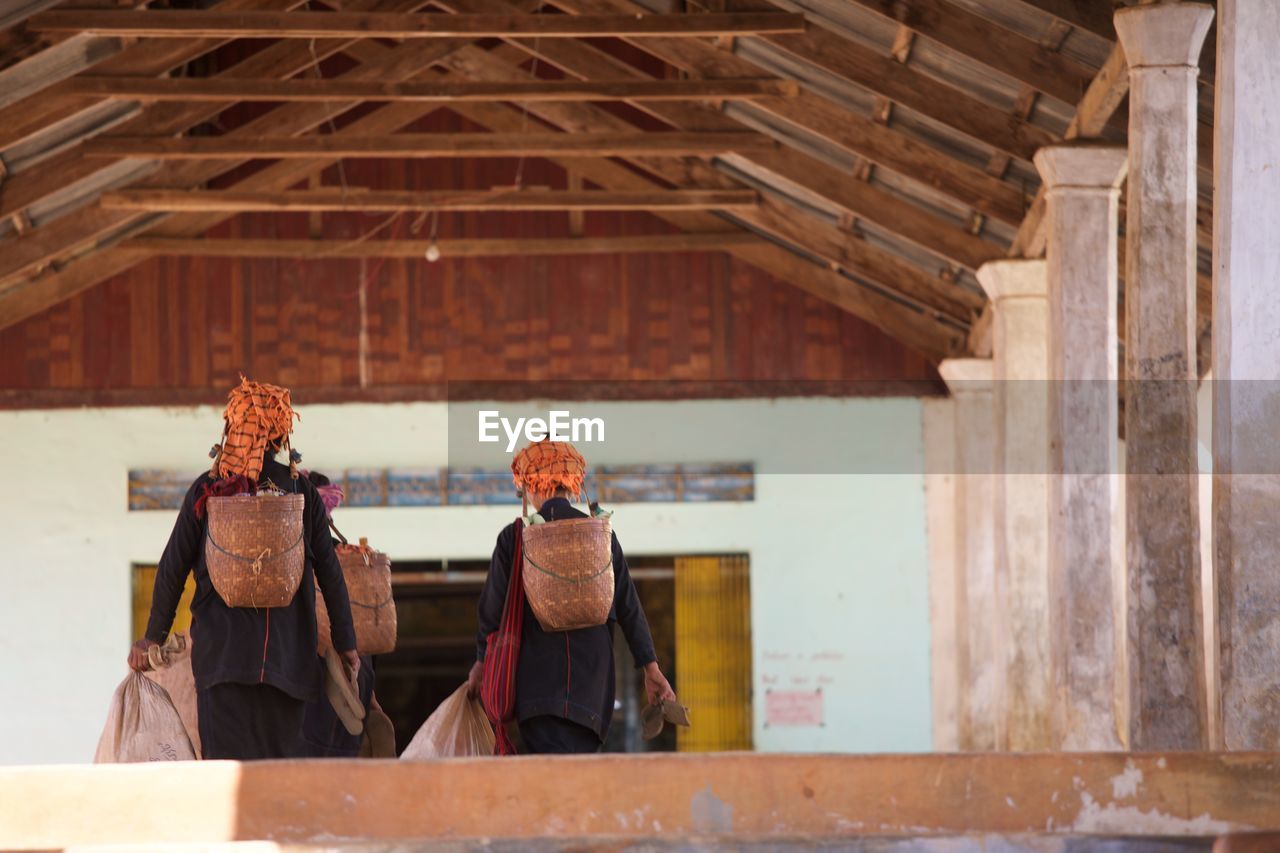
(181, 328)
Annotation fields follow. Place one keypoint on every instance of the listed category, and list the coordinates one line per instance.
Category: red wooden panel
(190, 325)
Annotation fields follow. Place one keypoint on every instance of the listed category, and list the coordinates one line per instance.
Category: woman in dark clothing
(254, 668)
(564, 680)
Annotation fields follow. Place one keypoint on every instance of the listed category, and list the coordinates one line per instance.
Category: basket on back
(568, 572)
(373, 610)
(253, 548)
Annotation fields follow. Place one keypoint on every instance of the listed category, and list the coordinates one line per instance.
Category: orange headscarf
(547, 465)
(256, 413)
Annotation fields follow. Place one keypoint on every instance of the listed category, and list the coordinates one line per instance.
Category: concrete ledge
(646, 799)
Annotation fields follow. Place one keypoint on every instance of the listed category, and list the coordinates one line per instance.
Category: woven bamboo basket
(568, 572)
(253, 548)
(373, 610)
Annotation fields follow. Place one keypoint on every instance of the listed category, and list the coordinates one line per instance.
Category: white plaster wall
(838, 560)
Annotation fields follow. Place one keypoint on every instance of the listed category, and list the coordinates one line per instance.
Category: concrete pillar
(939, 431)
(1246, 368)
(1019, 295)
(1168, 702)
(1082, 215)
(978, 611)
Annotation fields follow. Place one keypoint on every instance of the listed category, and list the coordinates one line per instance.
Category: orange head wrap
(256, 414)
(547, 465)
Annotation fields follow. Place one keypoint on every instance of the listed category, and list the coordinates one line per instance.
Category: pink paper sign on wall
(793, 708)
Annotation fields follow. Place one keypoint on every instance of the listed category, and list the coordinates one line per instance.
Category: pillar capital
(967, 375)
(1014, 278)
(1163, 35)
(1082, 165)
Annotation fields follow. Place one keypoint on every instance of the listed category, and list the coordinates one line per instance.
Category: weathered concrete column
(1019, 295)
(1082, 214)
(1168, 702)
(1246, 369)
(939, 431)
(978, 611)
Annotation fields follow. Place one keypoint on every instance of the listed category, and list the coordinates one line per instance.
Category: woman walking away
(564, 680)
(254, 666)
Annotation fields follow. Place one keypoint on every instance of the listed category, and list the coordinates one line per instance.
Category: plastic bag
(173, 672)
(142, 725)
(457, 728)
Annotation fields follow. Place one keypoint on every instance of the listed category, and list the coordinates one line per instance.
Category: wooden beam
(90, 226)
(430, 145)
(392, 25)
(416, 249)
(847, 129)
(880, 207)
(985, 41)
(889, 212)
(886, 76)
(909, 324)
(1092, 16)
(498, 198)
(39, 247)
(187, 89)
(281, 60)
(915, 326)
(21, 120)
(836, 247)
(1100, 101)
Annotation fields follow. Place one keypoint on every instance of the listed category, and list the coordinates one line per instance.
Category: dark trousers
(246, 722)
(547, 735)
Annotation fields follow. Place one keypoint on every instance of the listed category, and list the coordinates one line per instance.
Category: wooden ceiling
(873, 153)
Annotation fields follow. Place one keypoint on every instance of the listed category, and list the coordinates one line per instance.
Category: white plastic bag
(457, 728)
(142, 725)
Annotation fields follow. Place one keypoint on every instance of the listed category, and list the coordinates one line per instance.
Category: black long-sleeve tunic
(243, 645)
(566, 674)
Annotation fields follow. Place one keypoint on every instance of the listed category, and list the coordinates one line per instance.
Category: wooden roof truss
(872, 152)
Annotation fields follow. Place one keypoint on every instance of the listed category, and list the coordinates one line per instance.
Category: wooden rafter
(860, 134)
(1092, 16)
(1103, 97)
(280, 60)
(217, 89)
(916, 328)
(415, 249)
(89, 226)
(44, 108)
(887, 211)
(358, 199)
(429, 145)
(392, 25)
(1002, 50)
(889, 78)
(1100, 101)
(826, 241)
(893, 214)
(283, 60)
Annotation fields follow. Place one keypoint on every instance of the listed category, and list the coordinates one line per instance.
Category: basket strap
(214, 543)
(559, 577)
(335, 529)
